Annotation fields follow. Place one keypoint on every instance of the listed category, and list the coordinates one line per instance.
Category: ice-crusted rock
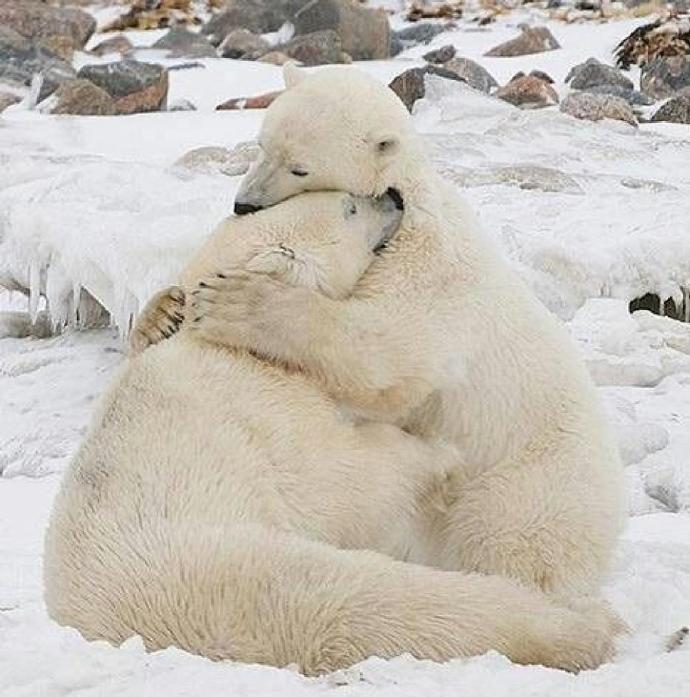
(218, 160)
(420, 33)
(528, 92)
(134, 86)
(592, 73)
(633, 97)
(531, 40)
(595, 107)
(472, 73)
(8, 99)
(663, 77)
(182, 43)
(241, 43)
(527, 177)
(181, 105)
(676, 110)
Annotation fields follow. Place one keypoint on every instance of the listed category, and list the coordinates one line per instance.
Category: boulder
(675, 110)
(440, 55)
(135, 87)
(531, 40)
(20, 60)
(528, 92)
(275, 58)
(218, 160)
(422, 33)
(182, 43)
(472, 73)
(592, 73)
(258, 16)
(364, 32)
(663, 77)
(410, 85)
(241, 43)
(318, 48)
(115, 44)
(37, 20)
(260, 101)
(595, 107)
(81, 97)
(633, 97)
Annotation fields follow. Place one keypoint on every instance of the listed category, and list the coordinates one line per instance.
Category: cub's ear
(385, 143)
(292, 75)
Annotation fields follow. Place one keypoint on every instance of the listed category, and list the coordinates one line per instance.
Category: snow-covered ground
(592, 214)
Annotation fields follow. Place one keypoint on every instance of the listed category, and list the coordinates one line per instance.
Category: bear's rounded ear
(386, 144)
(292, 75)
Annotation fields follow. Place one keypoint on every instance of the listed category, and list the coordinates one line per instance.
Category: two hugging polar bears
(354, 445)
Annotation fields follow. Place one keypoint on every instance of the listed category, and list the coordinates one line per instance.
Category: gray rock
(633, 97)
(181, 105)
(241, 43)
(36, 20)
(258, 16)
(180, 42)
(318, 48)
(440, 55)
(81, 97)
(532, 40)
(592, 73)
(8, 99)
(420, 33)
(410, 85)
(472, 73)
(364, 32)
(595, 107)
(20, 60)
(662, 77)
(135, 87)
(675, 110)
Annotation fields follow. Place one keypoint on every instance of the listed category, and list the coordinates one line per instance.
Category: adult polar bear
(203, 512)
(441, 337)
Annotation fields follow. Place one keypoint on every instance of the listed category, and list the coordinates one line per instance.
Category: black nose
(244, 208)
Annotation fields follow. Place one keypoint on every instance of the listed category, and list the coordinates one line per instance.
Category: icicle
(34, 289)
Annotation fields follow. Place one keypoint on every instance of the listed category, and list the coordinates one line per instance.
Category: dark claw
(203, 285)
(221, 275)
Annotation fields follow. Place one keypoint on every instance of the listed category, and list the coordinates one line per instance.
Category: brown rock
(663, 77)
(59, 45)
(275, 58)
(241, 43)
(115, 44)
(82, 97)
(532, 40)
(528, 92)
(595, 107)
(8, 99)
(135, 87)
(38, 20)
(260, 101)
(319, 48)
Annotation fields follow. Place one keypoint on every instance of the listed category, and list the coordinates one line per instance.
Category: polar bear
(220, 503)
(440, 337)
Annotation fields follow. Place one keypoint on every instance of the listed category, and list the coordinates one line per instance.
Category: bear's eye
(298, 172)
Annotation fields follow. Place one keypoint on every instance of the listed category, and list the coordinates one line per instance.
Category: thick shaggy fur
(441, 337)
(219, 501)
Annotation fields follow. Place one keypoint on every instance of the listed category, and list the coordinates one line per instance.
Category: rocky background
(55, 56)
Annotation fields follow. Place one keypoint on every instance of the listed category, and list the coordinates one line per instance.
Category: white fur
(219, 501)
(443, 338)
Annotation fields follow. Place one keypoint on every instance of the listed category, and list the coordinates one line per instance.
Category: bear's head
(327, 239)
(336, 129)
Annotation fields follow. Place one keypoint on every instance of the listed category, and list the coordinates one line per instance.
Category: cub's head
(337, 129)
(327, 239)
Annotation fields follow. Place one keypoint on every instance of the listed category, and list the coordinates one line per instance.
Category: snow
(592, 215)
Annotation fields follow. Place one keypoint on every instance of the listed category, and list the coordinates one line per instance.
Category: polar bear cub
(218, 501)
